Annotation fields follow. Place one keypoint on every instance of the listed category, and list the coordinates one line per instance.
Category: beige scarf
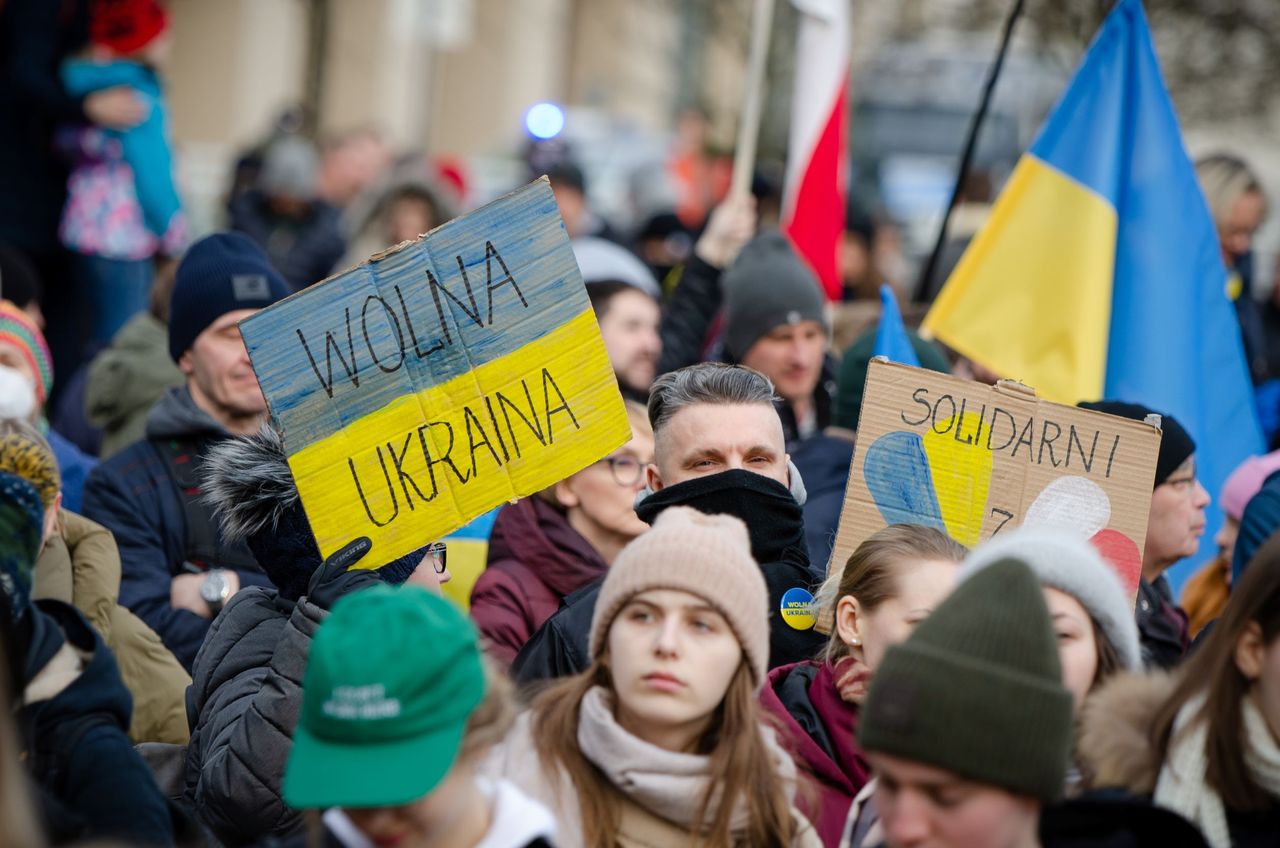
(668, 784)
(1181, 786)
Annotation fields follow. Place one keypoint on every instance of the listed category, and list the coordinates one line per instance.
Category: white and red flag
(813, 205)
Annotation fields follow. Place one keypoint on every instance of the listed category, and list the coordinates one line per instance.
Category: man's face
(708, 438)
(921, 805)
(218, 369)
(630, 331)
(1176, 521)
(791, 356)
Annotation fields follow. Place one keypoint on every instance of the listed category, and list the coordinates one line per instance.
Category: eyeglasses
(627, 470)
(437, 551)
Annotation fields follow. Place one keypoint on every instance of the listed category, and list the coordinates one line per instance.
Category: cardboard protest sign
(973, 460)
(439, 379)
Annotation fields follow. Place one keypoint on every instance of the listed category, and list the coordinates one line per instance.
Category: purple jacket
(535, 559)
(820, 730)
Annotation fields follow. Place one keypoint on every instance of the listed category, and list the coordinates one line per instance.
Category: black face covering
(773, 518)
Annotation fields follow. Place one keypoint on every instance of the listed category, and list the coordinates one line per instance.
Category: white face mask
(17, 394)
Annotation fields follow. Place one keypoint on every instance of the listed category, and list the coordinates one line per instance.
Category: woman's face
(868, 634)
(601, 498)
(449, 808)
(1077, 644)
(921, 805)
(671, 656)
(431, 573)
(1259, 661)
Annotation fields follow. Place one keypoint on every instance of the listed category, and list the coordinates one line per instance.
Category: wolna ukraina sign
(439, 379)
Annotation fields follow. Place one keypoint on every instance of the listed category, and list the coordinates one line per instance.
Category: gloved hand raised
(335, 578)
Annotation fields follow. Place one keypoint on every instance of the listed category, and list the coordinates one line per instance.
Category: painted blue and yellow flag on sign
(439, 379)
(1099, 272)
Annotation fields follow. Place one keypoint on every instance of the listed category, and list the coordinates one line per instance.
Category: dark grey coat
(244, 701)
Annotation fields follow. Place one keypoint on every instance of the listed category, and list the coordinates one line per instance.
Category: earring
(855, 642)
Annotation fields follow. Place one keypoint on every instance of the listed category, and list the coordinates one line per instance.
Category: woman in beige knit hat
(660, 741)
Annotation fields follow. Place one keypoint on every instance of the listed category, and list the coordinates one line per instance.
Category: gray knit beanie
(1072, 565)
(767, 286)
(704, 555)
(977, 689)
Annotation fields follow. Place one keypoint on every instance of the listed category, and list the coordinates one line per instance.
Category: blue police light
(544, 120)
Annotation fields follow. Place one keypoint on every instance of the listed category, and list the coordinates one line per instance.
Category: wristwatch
(215, 589)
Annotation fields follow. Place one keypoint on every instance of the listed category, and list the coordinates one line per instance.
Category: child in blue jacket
(122, 203)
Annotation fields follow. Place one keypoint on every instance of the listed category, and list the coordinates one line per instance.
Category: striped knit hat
(20, 333)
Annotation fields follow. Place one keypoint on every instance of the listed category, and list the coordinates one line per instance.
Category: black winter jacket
(92, 783)
(775, 522)
(244, 702)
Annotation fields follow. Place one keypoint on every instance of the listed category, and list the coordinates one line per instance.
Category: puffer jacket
(535, 560)
(127, 379)
(243, 709)
(81, 566)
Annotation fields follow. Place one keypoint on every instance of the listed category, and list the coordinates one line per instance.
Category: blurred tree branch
(1220, 57)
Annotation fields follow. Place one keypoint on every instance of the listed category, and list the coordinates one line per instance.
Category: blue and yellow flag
(1099, 272)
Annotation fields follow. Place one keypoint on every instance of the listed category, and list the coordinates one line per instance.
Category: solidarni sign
(973, 460)
(439, 379)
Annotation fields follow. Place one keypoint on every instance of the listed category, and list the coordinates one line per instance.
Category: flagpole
(970, 145)
(744, 157)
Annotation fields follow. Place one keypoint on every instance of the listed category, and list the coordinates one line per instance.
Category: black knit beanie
(977, 689)
(220, 273)
(1176, 444)
(767, 286)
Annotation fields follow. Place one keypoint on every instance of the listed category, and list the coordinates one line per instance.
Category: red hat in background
(126, 26)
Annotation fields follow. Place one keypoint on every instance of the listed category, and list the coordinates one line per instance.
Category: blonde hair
(1225, 179)
(870, 574)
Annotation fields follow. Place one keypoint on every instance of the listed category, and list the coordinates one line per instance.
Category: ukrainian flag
(1099, 273)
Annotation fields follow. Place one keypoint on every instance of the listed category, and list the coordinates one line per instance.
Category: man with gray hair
(719, 448)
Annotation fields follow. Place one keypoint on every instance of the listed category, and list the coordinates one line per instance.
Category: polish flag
(813, 204)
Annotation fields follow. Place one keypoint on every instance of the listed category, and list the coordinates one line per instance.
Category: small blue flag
(892, 340)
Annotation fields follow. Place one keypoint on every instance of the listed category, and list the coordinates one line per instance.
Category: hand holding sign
(439, 379)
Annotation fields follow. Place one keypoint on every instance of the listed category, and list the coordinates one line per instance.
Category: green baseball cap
(392, 678)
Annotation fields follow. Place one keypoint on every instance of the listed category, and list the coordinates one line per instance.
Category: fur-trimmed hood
(1114, 745)
(247, 482)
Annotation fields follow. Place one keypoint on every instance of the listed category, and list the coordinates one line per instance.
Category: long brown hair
(741, 765)
(1109, 664)
(1212, 670)
(870, 574)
